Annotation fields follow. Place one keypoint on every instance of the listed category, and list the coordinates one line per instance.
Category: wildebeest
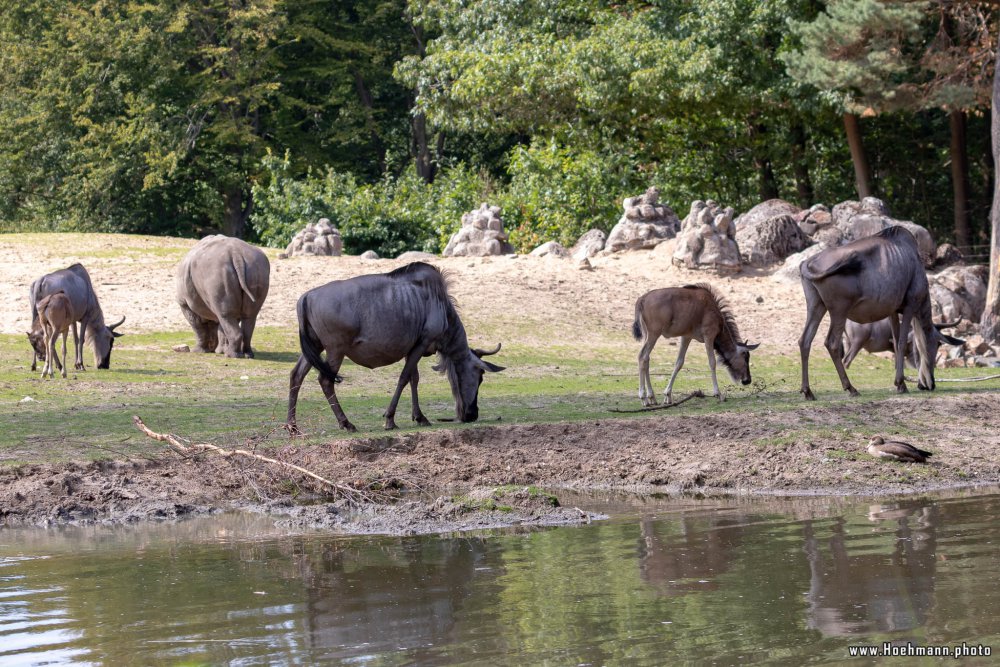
(36, 337)
(376, 320)
(75, 282)
(692, 311)
(876, 277)
(221, 284)
(55, 313)
(877, 337)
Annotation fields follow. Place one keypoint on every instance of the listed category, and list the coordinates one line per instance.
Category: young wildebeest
(37, 339)
(376, 320)
(873, 278)
(75, 282)
(877, 337)
(692, 311)
(55, 312)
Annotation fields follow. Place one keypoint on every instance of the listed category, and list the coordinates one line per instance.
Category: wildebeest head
(104, 340)
(738, 362)
(465, 374)
(37, 340)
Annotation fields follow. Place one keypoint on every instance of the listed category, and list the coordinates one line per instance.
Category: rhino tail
(241, 274)
(311, 347)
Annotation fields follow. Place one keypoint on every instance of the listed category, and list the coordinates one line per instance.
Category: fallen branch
(978, 379)
(695, 394)
(190, 450)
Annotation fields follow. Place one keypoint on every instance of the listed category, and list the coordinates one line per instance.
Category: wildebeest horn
(947, 325)
(118, 323)
(483, 353)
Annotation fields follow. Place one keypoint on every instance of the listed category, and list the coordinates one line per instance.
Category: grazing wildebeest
(75, 282)
(876, 277)
(692, 311)
(877, 337)
(55, 313)
(376, 320)
(221, 284)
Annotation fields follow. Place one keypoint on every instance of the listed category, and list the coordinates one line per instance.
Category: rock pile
(707, 239)
(481, 235)
(770, 232)
(320, 238)
(644, 224)
(959, 293)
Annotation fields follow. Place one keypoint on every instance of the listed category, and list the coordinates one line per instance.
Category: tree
(990, 322)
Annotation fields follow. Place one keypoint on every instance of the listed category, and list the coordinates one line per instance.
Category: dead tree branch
(694, 394)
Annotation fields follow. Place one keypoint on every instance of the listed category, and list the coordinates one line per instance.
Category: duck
(897, 451)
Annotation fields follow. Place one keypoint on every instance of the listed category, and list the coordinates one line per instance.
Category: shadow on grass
(283, 357)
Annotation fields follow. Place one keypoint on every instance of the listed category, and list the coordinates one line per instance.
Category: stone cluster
(481, 235)
(320, 238)
(644, 224)
(707, 239)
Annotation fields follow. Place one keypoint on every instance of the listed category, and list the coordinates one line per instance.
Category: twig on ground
(189, 450)
(978, 379)
(695, 394)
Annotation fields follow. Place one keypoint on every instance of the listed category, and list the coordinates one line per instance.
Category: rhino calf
(221, 284)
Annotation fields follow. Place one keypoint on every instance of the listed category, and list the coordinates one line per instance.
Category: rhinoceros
(222, 283)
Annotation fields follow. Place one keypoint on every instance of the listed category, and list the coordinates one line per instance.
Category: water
(664, 582)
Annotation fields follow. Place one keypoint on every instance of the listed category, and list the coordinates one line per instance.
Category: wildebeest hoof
(422, 420)
(901, 389)
(294, 431)
(80, 367)
(390, 425)
(348, 426)
(808, 394)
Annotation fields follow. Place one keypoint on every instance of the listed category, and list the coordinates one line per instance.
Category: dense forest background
(392, 118)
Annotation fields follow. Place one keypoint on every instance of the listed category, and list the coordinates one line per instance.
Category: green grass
(235, 401)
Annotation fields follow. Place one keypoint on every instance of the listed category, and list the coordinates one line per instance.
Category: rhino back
(223, 276)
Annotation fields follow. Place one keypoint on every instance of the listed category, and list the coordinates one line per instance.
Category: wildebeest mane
(438, 282)
(731, 331)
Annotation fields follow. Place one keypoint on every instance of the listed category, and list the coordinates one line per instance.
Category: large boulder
(480, 235)
(550, 249)
(321, 239)
(644, 224)
(768, 241)
(959, 292)
(707, 239)
(855, 220)
(416, 256)
(789, 271)
(772, 208)
(588, 245)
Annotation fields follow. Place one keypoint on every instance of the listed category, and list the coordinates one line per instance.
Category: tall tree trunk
(365, 97)
(236, 206)
(990, 323)
(767, 184)
(960, 177)
(803, 183)
(862, 172)
(421, 148)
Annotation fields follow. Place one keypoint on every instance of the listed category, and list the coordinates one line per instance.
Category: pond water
(739, 581)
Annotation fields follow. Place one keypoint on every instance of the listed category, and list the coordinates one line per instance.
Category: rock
(321, 239)
(707, 239)
(959, 292)
(416, 256)
(768, 241)
(772, 208)
(789, 271)
(181, 348)
(644, 224)
(369, 254)
(857, 220)
(585, 265)
(283, 255)
(947, 255)
(480, 235)
(550, 249)
(588, 245)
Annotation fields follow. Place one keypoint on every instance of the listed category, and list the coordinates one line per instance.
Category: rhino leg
(205, 331)
(247, 326)
(230, 337)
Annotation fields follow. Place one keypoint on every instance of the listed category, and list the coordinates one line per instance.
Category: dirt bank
(806, 450)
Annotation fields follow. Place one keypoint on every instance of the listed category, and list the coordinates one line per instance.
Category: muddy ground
(749, 454)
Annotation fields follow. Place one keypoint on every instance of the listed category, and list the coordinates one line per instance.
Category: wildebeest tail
(240, 265)
(852, 263)
(636, 323)
(311, 347)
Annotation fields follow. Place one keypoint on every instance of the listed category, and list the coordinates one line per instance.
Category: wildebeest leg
(233, 344)
(900, 348)
(417, 415)
(65, 335)
(299, 373)
(710, 348)
(815, 310)
(247, 327)
(835, 346)
(678, 365)
(409, 372)
(331, 394)
(646, 392)
(79, 346)
(853, 348)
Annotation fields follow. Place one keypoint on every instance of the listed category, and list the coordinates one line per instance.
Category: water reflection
(727, 581)
(860, 585)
